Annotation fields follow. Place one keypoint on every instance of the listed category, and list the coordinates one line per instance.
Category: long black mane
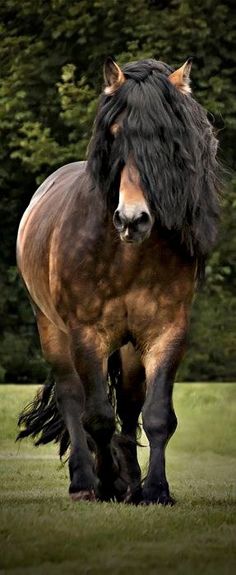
(172, 143)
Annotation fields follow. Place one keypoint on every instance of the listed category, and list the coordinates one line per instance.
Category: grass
(42, 531)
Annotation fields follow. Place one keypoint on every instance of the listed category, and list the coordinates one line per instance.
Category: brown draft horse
(110, 251)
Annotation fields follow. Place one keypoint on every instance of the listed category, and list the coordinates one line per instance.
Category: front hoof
(83, 495)
(158, 495)
(161, 500)
(167, 500)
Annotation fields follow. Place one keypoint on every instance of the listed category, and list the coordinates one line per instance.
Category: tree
(51, 74)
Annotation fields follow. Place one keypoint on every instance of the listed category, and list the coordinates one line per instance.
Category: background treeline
(52, 53)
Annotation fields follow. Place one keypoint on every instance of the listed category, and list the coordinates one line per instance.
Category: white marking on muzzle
(131, 209)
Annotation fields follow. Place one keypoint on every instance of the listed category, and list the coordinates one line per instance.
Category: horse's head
(152, 154)
(133, 216)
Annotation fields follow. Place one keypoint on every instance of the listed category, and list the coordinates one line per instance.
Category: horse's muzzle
(133, 230)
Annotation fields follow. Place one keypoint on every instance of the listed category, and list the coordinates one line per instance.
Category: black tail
(42, 420)
(114, 376)
(115, 382)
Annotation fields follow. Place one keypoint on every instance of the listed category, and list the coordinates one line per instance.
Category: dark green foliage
(51, 74)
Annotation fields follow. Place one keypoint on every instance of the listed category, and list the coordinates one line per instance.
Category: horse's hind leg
(71, 404)
(128, 374)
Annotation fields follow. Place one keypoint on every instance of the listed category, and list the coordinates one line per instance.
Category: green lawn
(42, 531)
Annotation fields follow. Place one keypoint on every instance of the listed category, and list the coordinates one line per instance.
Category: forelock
(139, 71)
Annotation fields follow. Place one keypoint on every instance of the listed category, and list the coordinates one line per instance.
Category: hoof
(83, 495)
(157, 495)
(106, 495)
(120, 490)
(163, 499)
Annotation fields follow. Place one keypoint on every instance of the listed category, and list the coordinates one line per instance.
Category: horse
(111, 251)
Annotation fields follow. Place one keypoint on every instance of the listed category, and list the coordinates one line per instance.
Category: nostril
(143, 220)
(118, 221)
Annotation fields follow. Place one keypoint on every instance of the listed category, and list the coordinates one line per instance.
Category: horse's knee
(159, 425)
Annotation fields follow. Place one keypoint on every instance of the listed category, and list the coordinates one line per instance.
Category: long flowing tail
(41, 419)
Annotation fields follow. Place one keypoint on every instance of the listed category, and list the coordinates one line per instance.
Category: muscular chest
(132, 298)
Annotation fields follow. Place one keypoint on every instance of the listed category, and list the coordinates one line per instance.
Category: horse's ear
(181, 77)
(113, 76)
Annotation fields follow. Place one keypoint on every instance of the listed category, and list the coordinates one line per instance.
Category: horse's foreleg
(99, 418)
(159, 419)
(126, 368)
(71, 404)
